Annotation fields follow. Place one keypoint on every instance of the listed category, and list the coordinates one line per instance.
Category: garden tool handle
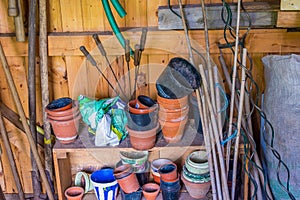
(12, 8)
(88, 55)
(137, 55)
(99, 45)
(127, 50)
(143, 39)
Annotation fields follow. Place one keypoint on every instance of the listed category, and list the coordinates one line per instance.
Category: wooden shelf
(83, 155)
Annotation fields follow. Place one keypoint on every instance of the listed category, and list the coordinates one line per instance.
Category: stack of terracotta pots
(64, 116)
(142, 122)
(173, 116)
(195, 174)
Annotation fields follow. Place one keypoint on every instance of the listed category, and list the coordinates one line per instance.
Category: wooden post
(24, 122)
(11, 159)
(12, 8)
(19, 23)
(44, 86)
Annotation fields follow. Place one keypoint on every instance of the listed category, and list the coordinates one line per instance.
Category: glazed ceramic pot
(168, 172)
(66, 131)
(170, 190)
(173, 131)
(137, 159)
(172, 103)
(74, 193)
(195, 178)
(196, 190)
(197, 163)
(129, 182)
(105, 184)
(150, 191)
(173, 115)
(142, 140)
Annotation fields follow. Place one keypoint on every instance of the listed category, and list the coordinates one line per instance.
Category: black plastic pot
(142, 122)
(145, 100)
(132, 196)
(195, 113)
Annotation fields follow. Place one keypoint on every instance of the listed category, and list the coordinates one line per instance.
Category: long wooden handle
(12, 8)
(24, 122)
(11, 159)
(19, 24)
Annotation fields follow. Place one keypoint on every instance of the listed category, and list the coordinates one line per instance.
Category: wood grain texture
(71, 14)
(55, 18)
(6, 22)
(93, 15)
(288, 19)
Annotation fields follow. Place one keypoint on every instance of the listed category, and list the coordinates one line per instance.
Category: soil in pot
(74, 193)
(142, 140)
(196, 190)
(150, 191)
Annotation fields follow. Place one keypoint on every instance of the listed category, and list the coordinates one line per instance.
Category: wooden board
(168, 21)
(288, 19)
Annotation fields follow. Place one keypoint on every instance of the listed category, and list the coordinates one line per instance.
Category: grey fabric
(282, 107)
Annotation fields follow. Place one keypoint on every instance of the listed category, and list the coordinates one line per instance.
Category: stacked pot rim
(173, 116)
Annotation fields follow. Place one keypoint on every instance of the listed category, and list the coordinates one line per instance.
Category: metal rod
(103, 53)
(127, 58)
(137, 66)
(32, 92)
(24, 122)
(43, 54)
(94, 63)
(11, 159)
(233, 85)
(239, 123)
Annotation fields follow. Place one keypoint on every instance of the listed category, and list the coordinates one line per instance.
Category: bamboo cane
(24, 122)
(44, 86)
(233, 85)
(218, 102)
(11, 159)
(213, 178)
(246, 177)
(239, 122)
(12, 8)
(216, 135)
(19, 24)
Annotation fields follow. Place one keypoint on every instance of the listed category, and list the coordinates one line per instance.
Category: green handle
(120, 10)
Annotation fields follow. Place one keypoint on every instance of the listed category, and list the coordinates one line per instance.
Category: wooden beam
(169, 21)
(288, 19)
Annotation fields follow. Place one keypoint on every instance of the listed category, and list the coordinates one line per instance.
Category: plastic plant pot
(74, 193)
(142, 122)
(145, 101)
(168, 172)
(60, 104)
(105, 185)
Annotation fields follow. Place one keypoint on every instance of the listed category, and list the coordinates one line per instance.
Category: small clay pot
(172, 103)
(142, 140)
(173, 131)
(133, 109)
(128, 183)
(66, 117)
(196, 190)
(150, 191)
(74, 193)
(173, 115)
(60, 104)
(156, 176)
(65, 131)
(168, 172)
(122, 171)
(62, 113)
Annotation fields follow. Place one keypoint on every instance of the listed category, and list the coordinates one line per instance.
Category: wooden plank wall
(71, 24)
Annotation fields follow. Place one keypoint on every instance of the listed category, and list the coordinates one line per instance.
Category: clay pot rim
(173, 123)
(162, 100)
(76, 118)
(122, 170)
(80, 191)
(167, 110)
(194, 153)
(142, 134)
(64, 118)
(125, 155)
(64, 112)
(139, 110)
(154, 164)
(154, 186)
(68, 104)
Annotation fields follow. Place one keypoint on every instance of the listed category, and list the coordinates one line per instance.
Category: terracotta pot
(172, 103)
(65, 131)
(74, 193)
(128, 183)
(123, 171)
(196, 190)
(62, 113)
(173, 115)
(173, 131)
(142, 140)
(155, 176)
(60, 104)
(66, 117)
(150, 191)
(133, 109)
(137, 159)
(168, 172)
(197, 163)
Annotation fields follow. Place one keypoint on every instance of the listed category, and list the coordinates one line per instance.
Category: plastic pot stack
(195, 174)
(64, 116)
